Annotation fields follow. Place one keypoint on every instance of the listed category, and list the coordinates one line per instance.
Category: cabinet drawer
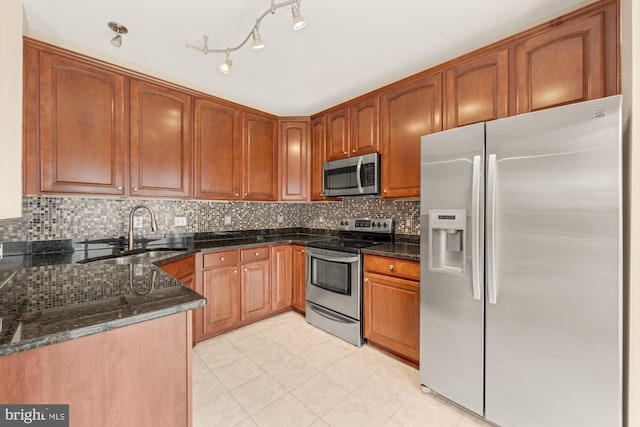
(254, 254)
(220, 259)
(392, 266)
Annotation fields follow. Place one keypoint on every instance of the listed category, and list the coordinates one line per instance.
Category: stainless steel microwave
(355, 176)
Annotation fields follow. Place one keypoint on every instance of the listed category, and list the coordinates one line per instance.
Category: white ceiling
(348, 47)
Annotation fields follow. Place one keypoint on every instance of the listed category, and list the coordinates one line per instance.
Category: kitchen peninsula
(104, 339)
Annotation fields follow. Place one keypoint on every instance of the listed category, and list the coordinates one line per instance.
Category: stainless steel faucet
(154, 224)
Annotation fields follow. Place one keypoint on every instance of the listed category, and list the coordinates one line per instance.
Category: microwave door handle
(358, 171)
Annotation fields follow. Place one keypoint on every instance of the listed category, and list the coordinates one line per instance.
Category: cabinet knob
(257, 253)
(304, 196)
(246, 269)
(246, 194)
(391, 266)
(345, 153)
(135, 188)
(366, 279)
(303, 251)
(354, 150)
(221, 258)
(235, 271)
(119, 187)
(384, 191)
(237, 194)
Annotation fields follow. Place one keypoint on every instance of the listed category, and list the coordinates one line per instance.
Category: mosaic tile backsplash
(52, 218)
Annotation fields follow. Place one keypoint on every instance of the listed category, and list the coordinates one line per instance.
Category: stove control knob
(384, 225)
(379, 224)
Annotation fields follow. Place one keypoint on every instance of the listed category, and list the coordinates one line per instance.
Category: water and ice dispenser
(447, 248)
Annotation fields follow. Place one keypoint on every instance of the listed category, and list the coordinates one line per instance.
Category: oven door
(334, 281)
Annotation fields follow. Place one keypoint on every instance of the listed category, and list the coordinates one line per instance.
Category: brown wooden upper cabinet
(364, 127)
(82, 125)
(259, 157)
(567, 63)
(318, 156)
(337, 134)
(294, 162)
(217, 151)
(408, 111)
(477, 90)
(160, 138)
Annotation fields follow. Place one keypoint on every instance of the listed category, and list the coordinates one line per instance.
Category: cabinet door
(281, 277)
(218, 149)
(477, 90)
(407, 112)
(392, 314)
(221, 289)
(364, 127)
(318, 156)
(81, 127)
(562, 65)
(259, 158)
(160, 137)
(299, 277)
(256, 290)
(337, 136)
(294, 170)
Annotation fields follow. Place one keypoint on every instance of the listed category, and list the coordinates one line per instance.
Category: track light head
(257, 41)
(225, 66)
(298, 21)
(119, 29)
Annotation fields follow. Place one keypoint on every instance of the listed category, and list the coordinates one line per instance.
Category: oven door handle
(327, 314)
(345, 259)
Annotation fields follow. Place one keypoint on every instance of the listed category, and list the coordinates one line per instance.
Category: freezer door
(451, 288)
(553, 314)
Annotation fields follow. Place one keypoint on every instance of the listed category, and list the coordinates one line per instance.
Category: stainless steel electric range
(334, 276)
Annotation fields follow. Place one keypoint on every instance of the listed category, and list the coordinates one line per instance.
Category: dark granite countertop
(47, 297)
(403, 250)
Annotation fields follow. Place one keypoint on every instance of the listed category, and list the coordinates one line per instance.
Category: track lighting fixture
(119, 29)
(225, 66)
(257, 43)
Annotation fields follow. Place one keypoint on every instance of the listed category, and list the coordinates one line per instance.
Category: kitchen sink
(136, 256)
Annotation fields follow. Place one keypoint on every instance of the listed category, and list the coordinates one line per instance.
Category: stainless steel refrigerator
(521, 266)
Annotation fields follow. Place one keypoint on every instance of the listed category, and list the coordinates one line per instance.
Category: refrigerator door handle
(475, 229)
(492, 288)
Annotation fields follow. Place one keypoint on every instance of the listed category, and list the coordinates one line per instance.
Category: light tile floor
(284, 372)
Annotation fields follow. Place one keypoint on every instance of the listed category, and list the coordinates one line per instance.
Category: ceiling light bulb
(225, 66)
(298, 21)
(117, 40)
(257, 41)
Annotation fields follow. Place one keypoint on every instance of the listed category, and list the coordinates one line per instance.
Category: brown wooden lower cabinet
(299, 277)
(123, 377)
(392, 305)
(281, 276)
(246, 285)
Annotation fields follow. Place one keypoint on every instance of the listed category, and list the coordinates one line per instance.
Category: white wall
(630, 39)
(11, 22)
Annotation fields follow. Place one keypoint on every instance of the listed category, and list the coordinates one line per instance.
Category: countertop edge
(110, 325)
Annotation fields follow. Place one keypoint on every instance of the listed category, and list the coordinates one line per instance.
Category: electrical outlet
(227, 220)
(407, 223)
(180, 221)
(137, 221)
(280, 219)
